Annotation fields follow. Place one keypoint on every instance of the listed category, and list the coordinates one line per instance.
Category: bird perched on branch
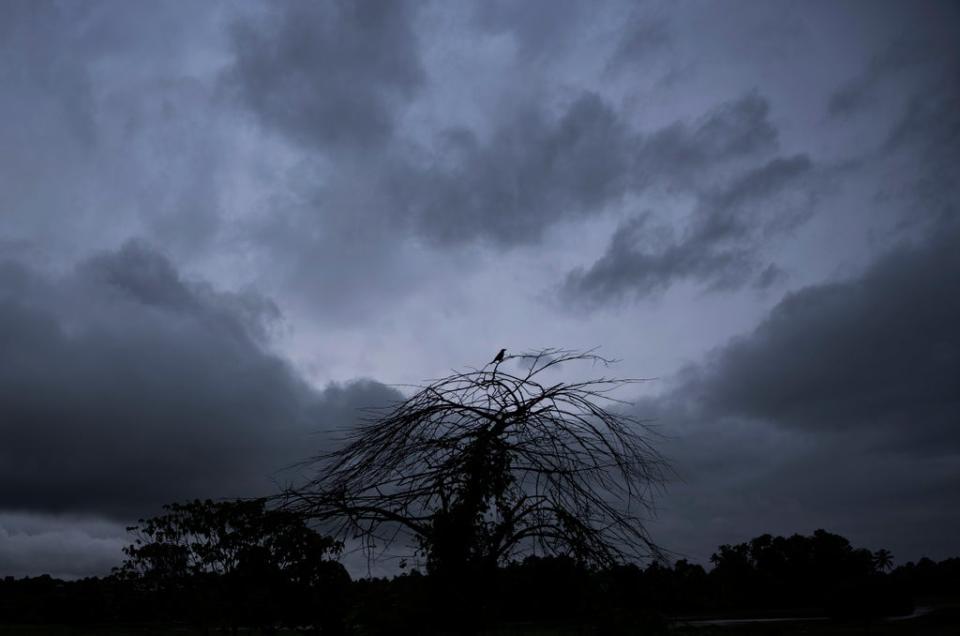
(499, 358)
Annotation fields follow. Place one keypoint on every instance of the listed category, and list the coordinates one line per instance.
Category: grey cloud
(719, 247)
(124, 386)
(880, 353)
(370, 163)
(929, 123)
(335, 253)
(109, 128)
(502, 188)
(641, 39)
(142, 275)
(625, 269)
(55, 70)
(46, 107)
(770, 276)
(910, 89)
(330, 73)
(736, 481)
(538, 26)
(682, 155)
(66, 547)
(925, 143)
(324, 76)
(921, 53)
(860, 92)
(138, 273)
(534, 170)
(840, 410)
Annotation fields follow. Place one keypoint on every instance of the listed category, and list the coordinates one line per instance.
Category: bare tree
(486, 465)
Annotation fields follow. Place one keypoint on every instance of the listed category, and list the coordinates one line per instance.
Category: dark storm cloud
(328, 73)
(682, 154)
(842, 409)
(881, 353)
(719, 248)
(926, 143)
(921, 52)
(915, 80)
(124, 386)
(538, 164)
(505, 190)
(861, 91)
(535, 170)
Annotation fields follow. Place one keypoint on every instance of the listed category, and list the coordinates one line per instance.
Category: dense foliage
(236, 563)
(768, 575)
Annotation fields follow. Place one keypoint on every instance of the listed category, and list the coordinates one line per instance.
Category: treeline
(814, 574)
(818, 575)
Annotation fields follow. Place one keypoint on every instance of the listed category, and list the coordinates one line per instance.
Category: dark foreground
(942, 621)
(938, 621)
(837, 588)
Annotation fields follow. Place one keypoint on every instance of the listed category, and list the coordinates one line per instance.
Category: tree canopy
(487, 465)
(237, 563)
(223, 538)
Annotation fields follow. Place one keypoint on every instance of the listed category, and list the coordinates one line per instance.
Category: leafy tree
(883, 560)
(208, 537)
(823, 570)
(258, 565)
(487, 465)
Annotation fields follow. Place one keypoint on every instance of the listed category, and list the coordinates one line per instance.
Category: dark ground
(944, 621)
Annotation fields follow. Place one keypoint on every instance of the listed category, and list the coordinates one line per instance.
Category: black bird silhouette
(499, 357)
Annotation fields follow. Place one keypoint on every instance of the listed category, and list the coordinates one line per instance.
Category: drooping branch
(486, 465)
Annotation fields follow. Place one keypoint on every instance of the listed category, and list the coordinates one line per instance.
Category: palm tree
(882, 560)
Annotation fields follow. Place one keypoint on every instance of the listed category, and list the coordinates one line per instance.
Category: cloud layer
(839, 410)
(328, 75)
(124, 387)
(214, 221)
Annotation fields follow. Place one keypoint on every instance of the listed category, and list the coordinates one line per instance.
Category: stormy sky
(226, 227)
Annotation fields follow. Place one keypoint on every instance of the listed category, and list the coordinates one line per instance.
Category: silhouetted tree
(485, 466)
(883, 560)
(820, 571)
(239, 561)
